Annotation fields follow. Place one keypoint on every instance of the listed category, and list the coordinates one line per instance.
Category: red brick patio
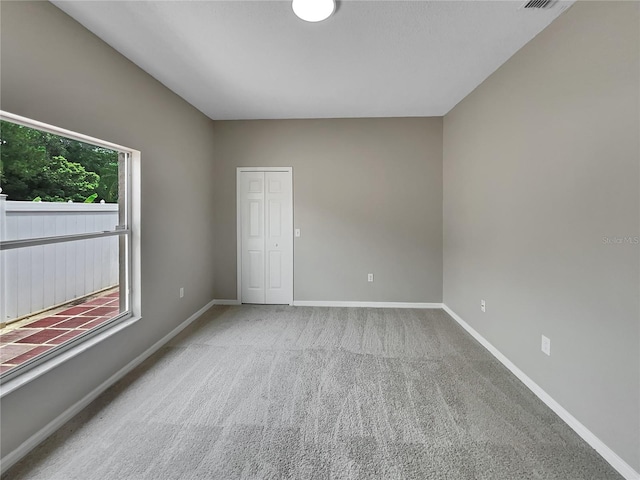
(34, 336)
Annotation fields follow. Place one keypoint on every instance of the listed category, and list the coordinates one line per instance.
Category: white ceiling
(256, 59)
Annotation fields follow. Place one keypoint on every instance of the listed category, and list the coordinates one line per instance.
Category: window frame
(130, 232)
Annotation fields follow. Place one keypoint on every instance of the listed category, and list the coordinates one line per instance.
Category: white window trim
(62, 354)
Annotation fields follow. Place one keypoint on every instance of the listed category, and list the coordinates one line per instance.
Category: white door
(266, 237)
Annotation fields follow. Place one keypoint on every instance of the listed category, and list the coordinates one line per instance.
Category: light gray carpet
(264, 392)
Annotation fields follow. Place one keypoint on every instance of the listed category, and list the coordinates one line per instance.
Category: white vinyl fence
(36, 278)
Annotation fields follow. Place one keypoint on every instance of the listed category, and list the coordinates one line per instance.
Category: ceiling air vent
(538, 4)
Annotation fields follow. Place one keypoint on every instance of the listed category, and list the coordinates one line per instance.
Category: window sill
(43, 368)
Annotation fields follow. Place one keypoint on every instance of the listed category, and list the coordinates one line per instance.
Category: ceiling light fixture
(313, 10)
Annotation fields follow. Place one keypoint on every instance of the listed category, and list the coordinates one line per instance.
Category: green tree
(95, 159)
(108, 187)
(22, 157)
(40, 164)
(61, 180)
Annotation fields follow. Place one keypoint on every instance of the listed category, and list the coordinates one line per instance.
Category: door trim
(239, 170)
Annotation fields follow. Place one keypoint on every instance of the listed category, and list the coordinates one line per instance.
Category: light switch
(297, 232)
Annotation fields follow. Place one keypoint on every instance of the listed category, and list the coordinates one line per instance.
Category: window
(66, 240)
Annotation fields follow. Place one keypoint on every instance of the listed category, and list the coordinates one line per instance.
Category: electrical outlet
(370, 277)
(483, 306)
(546, 345)
(181, 292)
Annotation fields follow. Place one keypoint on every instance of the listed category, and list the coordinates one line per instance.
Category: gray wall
(55, 71)
(367, 198)
(541, 162)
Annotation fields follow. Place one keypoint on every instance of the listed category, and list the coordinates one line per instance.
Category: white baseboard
(226, 302)
(322, 303)
(14, 456)
(622, 467)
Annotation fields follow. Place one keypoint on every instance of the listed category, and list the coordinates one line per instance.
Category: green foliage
(61, 180)
(35, 164)
(108, 188)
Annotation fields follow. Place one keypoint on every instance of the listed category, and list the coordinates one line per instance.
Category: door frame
(239, 170)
